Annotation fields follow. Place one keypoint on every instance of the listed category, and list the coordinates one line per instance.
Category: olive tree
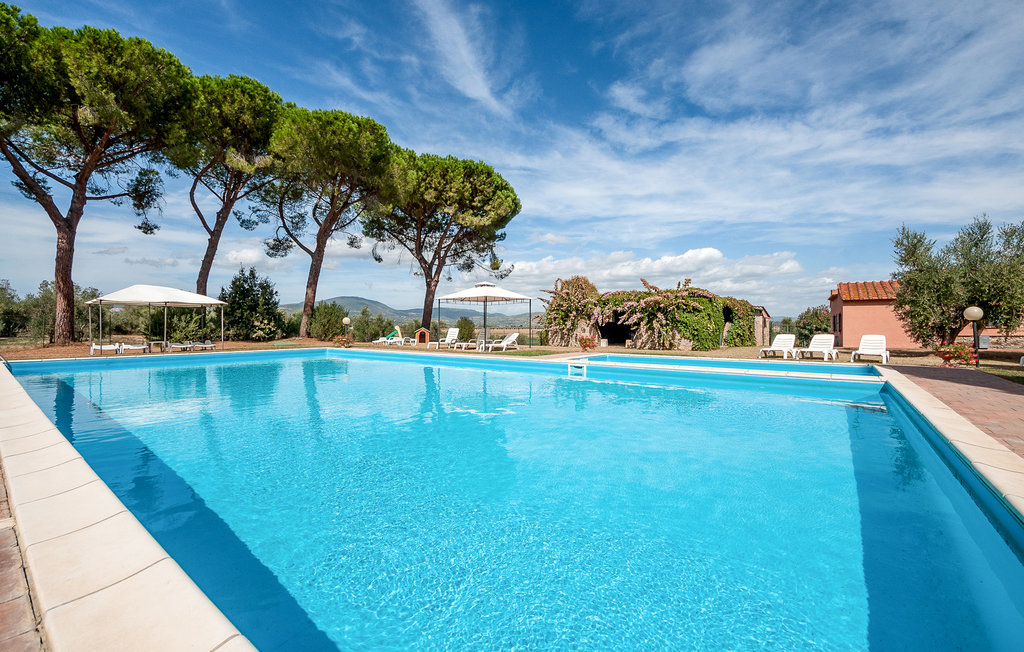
(84, 115)
(981, 266)
(327, 163)
(445, 212)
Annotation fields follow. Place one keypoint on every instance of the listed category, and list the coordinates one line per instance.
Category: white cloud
(463, 61)
(554, 239)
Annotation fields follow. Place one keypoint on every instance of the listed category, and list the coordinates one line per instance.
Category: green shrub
(186, 328)
(467, 329)
(252, 310)
(542, 337)
(366, 328)
(13, 318)
(326, 321)
(41, 311)
(812, 321)
(292, 322)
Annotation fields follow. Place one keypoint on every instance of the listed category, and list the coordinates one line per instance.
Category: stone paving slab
(18, 624)
(993, 404)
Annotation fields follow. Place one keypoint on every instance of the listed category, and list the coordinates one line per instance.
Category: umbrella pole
(485, 319)
(222, 328)
(531, 323)
(101, 328)
(164, 346)
(90, 325)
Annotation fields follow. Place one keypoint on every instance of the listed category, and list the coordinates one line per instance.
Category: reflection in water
(920, 569)
(316, 372)
(248, 386)
(64, 405)
(177, 383)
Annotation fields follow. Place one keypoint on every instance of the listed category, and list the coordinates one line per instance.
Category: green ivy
(659, 318)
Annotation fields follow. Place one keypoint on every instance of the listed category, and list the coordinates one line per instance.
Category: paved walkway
(18, 631)
(993, 404)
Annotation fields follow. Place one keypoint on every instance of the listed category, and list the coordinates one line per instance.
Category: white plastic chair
(449, 340)
(508, 341)
(871, 345)
(783, 343)
(823, 343)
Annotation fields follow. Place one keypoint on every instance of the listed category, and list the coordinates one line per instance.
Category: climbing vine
(680, 317)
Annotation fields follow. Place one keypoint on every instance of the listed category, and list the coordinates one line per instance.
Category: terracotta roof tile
(867, 291)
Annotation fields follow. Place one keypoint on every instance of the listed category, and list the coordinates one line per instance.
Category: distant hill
(449, 312)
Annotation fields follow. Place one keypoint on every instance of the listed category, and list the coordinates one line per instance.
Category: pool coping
(131, 595)
(64, 513)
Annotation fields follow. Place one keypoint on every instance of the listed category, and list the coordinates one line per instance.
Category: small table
(161, 343)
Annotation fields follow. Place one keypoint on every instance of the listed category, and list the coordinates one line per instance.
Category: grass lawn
(1016, 374)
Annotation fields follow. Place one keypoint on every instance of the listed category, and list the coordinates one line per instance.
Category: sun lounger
(186, 346)
(104, 348)
(783, 343)
(134, 347)
(471, 344)
(508, 341)
(871, 345)
(449, 340)
(384, 340)
(822, 343)
(205, 346)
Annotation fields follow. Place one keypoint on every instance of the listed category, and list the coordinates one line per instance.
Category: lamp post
(346, 321)
(974, 314)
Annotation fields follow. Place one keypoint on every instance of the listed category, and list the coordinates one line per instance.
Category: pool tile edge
(991, 459)
(150, 607)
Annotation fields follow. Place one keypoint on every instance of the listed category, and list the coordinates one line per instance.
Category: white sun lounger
(384, 340)
(449, 340)
(103, 348)
(871, 345)
(508, 341)
(186, 346)
(822, 343)
(471, 344)
(134, 347)
(783, 343)
(207, 345)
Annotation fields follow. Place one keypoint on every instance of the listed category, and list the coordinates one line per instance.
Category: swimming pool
(719, 363)
(330, 499)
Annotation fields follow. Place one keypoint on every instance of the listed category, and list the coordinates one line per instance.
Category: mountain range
(449, 313)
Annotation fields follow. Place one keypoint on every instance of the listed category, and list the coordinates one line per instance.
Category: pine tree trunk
(428, 302)
(211, 249)
(316, 262)
(64, 287)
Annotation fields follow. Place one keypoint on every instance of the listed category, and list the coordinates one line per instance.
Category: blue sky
(766, 150)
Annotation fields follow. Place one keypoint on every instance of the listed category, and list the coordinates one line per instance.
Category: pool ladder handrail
(6, 363)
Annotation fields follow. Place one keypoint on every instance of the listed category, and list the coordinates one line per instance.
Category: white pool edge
(98, 579)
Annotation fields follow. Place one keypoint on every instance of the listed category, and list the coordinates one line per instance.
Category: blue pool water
(675, 360)
(350, 500)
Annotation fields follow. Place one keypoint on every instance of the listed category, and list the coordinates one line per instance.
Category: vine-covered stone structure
(685, 318)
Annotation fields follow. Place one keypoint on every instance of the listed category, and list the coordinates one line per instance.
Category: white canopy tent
(154, 295)
(485, 293)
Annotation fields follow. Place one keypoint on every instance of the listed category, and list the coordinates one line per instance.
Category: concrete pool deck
(63, 515)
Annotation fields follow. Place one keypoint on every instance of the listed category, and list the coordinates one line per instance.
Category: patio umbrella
(485, 293)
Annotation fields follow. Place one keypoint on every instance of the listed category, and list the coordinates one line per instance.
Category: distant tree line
(87, 115)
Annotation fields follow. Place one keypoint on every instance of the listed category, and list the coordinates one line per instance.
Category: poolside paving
(995, 405)
(18, 624)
